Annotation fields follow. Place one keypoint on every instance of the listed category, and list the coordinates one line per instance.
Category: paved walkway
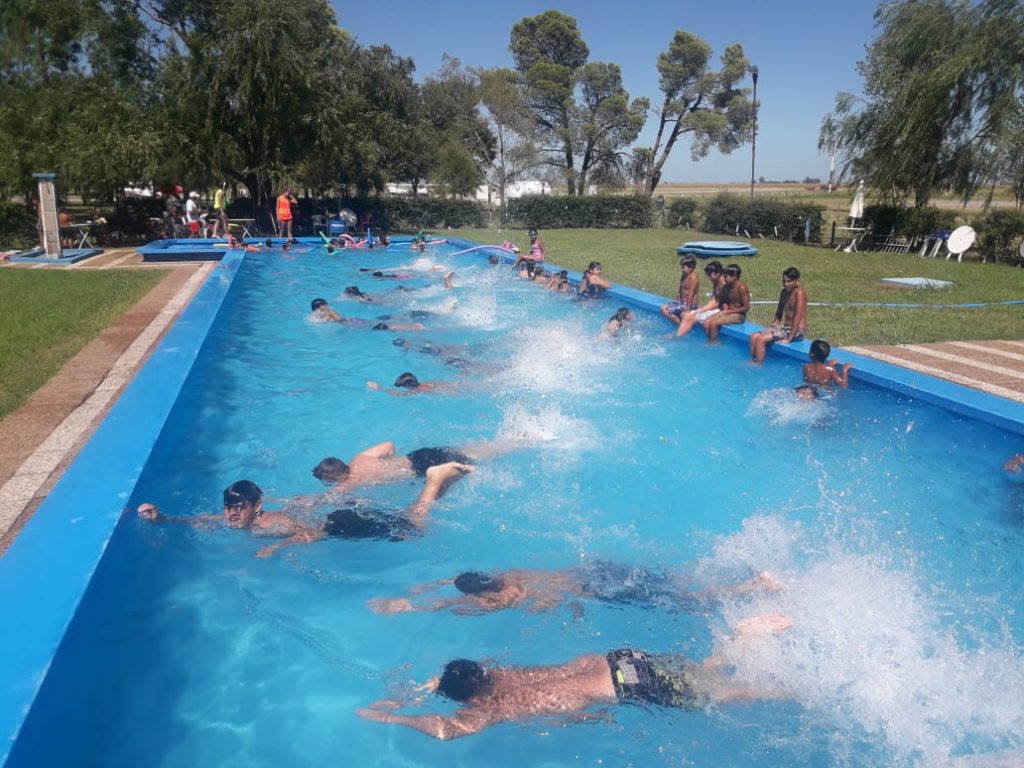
(39, 440)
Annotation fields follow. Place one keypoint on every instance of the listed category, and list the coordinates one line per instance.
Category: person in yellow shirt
(220, 211)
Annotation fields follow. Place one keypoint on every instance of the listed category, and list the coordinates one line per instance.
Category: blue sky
(806, 52)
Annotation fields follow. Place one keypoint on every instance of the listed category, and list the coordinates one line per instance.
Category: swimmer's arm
(151, 513)
(843, 379)
(333, 316)
(1014, 463)
(296, 533)
(438, 726)
(380, 451)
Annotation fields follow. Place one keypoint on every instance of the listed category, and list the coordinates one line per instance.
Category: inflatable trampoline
(716, 249)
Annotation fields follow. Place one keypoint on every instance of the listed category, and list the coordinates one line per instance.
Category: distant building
(489, 193)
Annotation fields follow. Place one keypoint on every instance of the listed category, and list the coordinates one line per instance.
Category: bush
(999, 234)
(680, 212)
(394, 213)
(600, 212)
(887, 220)
(17, 226)
(730, 214)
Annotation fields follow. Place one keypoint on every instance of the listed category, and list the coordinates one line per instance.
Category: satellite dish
(959, 241)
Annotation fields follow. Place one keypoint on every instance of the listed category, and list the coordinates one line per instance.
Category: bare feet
(390, 605)
(764, 624)
(448, 279)
(768, 582)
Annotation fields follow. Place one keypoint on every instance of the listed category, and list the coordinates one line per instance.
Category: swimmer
(353, 292)
(1014, 467)
(491, 695)
(243, 510)
(447, 278)
(323, 313)
(622, 316)
(408, 384)
(686, 296)
(399, 327)
(790, 321)
(382, 464)
(823, 371)
(559, 282)
(593, 284)
(542, 590)
(806, 392)
(713, 271)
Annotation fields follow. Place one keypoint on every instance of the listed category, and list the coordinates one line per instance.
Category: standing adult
(192, 214)
(220, 211)
(285, 201)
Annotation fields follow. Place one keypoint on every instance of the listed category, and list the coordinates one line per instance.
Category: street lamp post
(753, 140)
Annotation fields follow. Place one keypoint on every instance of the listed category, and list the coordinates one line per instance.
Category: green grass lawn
(646, 259)
(46, 317)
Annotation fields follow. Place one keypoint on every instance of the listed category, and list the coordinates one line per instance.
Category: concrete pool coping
(75, 522)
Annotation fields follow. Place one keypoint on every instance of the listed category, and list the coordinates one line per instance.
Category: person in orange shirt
(284, 213)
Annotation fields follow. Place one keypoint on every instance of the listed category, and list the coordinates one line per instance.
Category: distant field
(646, 259)
(837, 204)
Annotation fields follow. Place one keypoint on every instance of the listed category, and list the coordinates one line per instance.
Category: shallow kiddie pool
(887, 519)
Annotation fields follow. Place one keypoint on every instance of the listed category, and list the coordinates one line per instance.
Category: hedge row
(891, 220)
(680, 212)
(579, 212)
(17, 226)
(733, 215)
(1000, 234)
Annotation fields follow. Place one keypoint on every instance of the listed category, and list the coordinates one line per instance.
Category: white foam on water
(546, 425)
(782, 406)
(559, 357)
(870, 656)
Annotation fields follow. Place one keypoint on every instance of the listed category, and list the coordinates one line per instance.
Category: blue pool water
(897, 537)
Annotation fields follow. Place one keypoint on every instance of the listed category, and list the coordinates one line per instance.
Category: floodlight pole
(753, 139)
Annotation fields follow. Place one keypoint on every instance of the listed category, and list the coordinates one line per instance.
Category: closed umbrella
(857, 206)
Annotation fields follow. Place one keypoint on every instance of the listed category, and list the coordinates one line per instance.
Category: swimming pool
(888, 520)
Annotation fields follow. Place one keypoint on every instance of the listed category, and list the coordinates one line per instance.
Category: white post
(48, 214)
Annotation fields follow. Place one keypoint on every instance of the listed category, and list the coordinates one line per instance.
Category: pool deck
(40, 439)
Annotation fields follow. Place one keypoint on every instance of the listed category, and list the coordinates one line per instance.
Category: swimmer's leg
(438, 480)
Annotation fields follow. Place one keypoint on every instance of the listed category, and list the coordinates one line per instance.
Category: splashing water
(870, 657)
(783, 406)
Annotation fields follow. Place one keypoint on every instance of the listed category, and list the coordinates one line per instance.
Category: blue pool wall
(48, 567)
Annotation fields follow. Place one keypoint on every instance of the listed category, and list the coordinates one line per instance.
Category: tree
(699, 101)
(515, 148)
(582, 115)
(933, 114)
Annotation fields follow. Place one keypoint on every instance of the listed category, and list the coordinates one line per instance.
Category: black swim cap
(317, 303)
(463, 679)
(353, 290)
(474, 582)
(242, 492)
(399, 342)
(407, 380)
(820, 350)
(381, 327)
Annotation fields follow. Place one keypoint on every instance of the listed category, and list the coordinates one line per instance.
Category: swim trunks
(733, 318)
(355, 522)
(423, 459)
(702, 316)
(779, 334)
(633, 585)
(667, 681)
(677, 308)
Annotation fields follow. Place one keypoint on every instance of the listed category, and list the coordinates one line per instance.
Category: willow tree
(698, 101)
(942, 84)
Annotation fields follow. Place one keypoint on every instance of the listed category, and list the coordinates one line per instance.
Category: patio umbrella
(857, 206)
